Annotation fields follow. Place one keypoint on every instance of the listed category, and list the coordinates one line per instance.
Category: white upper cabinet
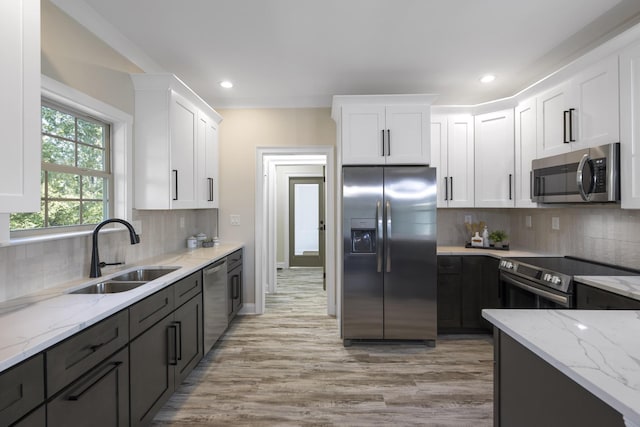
(581, 112)
(452, 145)
(383, 129)
(176, 158)
(20, 106)
(363, 139)
(630, 127)
(525, 151)
(494, 160)
(208, 163)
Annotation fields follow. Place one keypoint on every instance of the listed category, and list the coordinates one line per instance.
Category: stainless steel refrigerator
(389, 286)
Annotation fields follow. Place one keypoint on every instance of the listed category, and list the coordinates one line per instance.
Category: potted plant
(498, 238)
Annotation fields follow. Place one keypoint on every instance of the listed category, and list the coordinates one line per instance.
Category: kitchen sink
(108, 287)
(126, 281)
(145, 274)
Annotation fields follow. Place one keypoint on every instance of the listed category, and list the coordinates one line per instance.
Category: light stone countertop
(628, 286)
(31, 324)
(496, 253)
(598, 349)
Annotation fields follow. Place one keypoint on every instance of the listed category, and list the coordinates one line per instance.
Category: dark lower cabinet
(529, 392)
(590, 298)
(234, 283)
(466, 285)
(37, 418)
(161, 357)
(21, 390)
(449, 292)
(98, 398)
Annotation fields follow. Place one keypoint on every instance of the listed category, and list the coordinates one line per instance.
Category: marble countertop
(598, 349)
(628, 286)
(29, 325)
(496, 253)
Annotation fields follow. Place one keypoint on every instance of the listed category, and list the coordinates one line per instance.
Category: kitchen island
(566, 367)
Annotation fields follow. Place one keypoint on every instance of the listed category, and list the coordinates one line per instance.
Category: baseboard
(248, 309)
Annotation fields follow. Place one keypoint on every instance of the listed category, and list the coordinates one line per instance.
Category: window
(76, 175)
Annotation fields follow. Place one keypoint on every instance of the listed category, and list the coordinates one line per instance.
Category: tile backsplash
(598, 232)
(31, 267)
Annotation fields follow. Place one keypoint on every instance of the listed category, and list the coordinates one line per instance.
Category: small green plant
(498, 236)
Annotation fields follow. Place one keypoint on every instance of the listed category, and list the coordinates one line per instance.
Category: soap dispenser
(485, 237)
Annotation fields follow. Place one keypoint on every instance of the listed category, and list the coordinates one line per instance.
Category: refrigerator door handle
(379, 235)
(388, 237)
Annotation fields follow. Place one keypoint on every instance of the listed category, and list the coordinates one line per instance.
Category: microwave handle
(579, 174)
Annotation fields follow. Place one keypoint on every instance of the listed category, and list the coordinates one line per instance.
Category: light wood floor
(288, 367)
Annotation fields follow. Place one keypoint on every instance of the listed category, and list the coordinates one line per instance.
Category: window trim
(121, 157)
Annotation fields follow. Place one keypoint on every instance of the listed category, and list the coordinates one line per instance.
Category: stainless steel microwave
(591, 175)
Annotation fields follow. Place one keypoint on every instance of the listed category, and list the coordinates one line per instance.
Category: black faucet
(95, 259)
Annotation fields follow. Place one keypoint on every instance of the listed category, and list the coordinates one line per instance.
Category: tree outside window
(75, 177)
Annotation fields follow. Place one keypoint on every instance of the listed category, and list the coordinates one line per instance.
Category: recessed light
(226, 84)
(487, 78)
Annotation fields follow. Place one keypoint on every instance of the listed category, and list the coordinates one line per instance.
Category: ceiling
(298, 53)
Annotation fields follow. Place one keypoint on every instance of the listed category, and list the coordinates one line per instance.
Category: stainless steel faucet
(95, 259)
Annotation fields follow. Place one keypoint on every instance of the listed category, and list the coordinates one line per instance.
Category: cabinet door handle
(565, 113)
(95, 379)
(173, 358)
(235, 289)
(510, 178)
(179, 340)
(175, 183)
(210, 189)
(451, 188)
(382, 142)
(446, 189)
(388, 142)
(571, 110)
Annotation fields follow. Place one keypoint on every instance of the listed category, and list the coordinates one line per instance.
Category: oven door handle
(536, 291)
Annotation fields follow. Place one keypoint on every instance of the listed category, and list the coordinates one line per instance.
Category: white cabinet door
(580, 113)
(525, 151)
(460, 161)
(494, 159)
(183, 130)
(439, 156)
(363, 137)
(378, 134)
(20, 106)
(408, 135)
(207, 179)
(553, 121)
(176, 146)
(595, 99)
(630, 127)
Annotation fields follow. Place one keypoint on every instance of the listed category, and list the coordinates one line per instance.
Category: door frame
(290, 253)
(265, 242)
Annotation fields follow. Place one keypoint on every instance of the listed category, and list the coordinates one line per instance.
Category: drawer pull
(75, 396)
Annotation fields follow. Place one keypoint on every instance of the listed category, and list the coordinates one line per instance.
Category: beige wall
(241, 133)
(76, 57)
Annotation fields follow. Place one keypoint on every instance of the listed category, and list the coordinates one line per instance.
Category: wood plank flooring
(288, 367)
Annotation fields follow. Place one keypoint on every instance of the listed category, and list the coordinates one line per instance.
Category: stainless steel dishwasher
(215, 302)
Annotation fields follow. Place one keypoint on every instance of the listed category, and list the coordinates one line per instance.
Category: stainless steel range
(547, 282)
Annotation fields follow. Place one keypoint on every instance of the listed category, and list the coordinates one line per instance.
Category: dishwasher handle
(214, 268)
